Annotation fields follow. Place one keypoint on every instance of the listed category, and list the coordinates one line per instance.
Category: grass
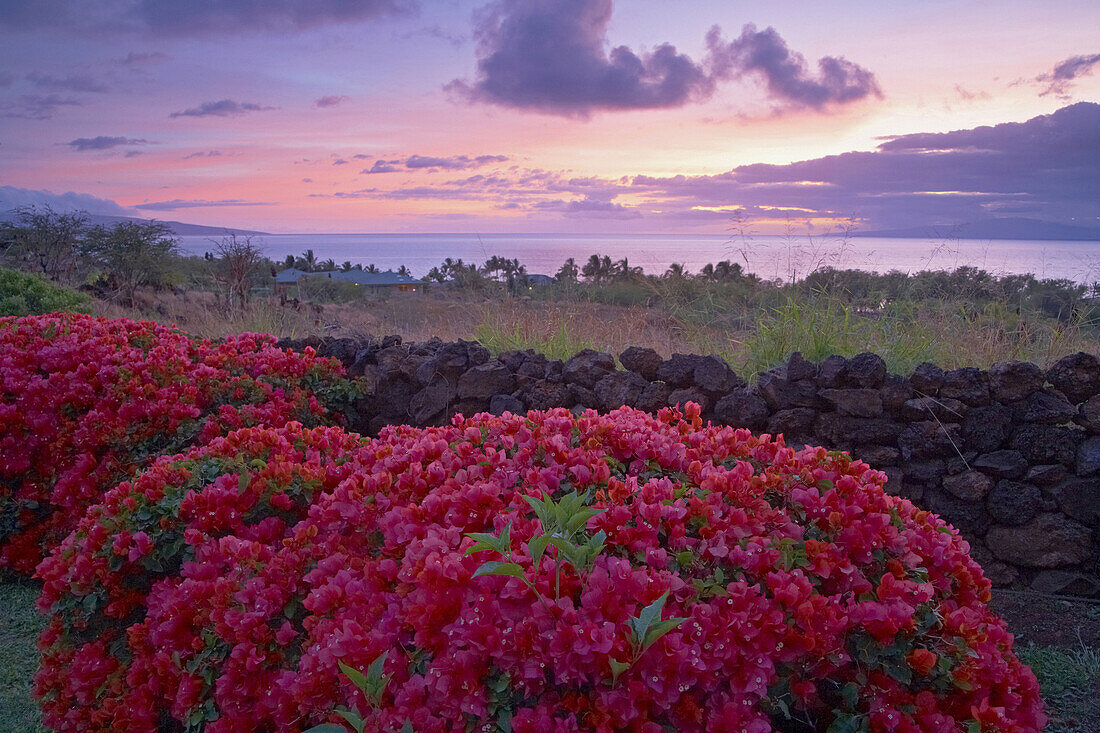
(965, 318)
(24, 294)
(19, 627)
(1069, 675)
(1070, 683)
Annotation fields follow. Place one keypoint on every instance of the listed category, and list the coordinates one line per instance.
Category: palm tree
(598, 269)
(675, 271)
(309, 261)
(623, 270)
(404, 271)
(371, 268)
(568, 272)
(346, 267)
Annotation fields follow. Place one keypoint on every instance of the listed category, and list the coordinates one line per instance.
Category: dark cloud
(71, 83)
(173, 17)
(587, 208)
(361, 156)
(550, 56)
(37, 106)
(193, 17)
(339, 161)
(307, 180)
(204, 154)
(438, 34)
(34, 14)
(198, 204)
(429, 162)
(221, 108)
(968, 96)
(330, 100)
(12, 198)
(133, 59)
(103, 142)
(1059, 81)
(1042, 167)
(454, 162)
(785, 72)
(913, 180)
(383, 166)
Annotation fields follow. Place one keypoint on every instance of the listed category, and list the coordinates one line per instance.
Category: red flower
(921, 660)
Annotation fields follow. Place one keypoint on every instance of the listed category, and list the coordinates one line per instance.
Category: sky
(552, 115)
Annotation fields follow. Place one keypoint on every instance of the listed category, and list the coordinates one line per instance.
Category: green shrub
(22, 294)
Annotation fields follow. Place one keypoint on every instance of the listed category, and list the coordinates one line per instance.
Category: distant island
(179, 228)
(1008, 228)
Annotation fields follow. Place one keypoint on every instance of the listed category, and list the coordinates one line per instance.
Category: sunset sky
(551, 115)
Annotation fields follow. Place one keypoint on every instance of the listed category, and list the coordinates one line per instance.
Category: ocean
(770, 257)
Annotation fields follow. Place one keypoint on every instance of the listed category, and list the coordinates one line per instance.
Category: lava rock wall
(1009, 455)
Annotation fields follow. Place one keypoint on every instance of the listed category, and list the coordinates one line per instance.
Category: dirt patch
(1059, 621)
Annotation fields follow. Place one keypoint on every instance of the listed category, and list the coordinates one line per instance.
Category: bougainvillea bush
(521, 573)
(84, 402)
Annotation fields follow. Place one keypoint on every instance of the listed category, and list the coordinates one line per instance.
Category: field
(965, 318)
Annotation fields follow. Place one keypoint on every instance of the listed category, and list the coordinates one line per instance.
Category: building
(373, 282)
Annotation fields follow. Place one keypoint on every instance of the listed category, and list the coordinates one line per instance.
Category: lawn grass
(19, 627)
(1069, 673)
(1070, 682)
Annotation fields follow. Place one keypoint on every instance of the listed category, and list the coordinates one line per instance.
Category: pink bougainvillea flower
(785, 585)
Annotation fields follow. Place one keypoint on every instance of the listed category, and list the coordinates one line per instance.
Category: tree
(49, 241)
(517, 281)
(404, 271)
(675, 271)
(237, 260)
(598, 269)
(308, 261)
(133, 254)
(569, 272)
(624, 271)
(371, 268)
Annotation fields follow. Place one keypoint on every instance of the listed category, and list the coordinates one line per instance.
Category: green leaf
(377, 680)
(327, 728)
(646, 617)
(499, 568)
(486, 541)
(659, 629)
(542, 511)
(580, 519)
(617, 668)
(844, 723)
(357, 678)
(850, 694)
(354, 720)
(536, 547)
(593, 548)
(574, 554)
